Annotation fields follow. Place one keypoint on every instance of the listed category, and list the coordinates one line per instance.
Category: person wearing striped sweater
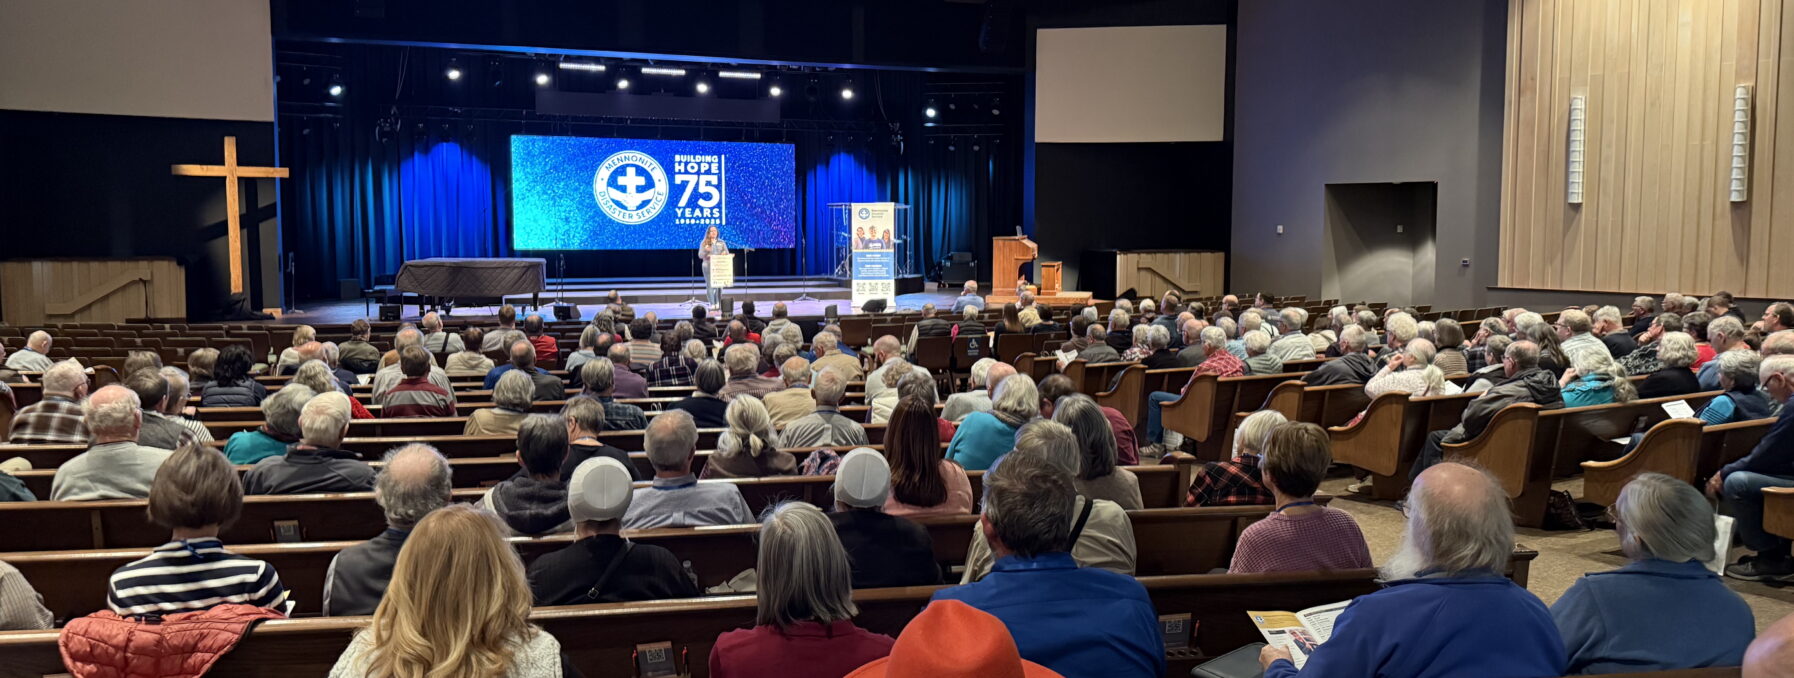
(194, 494)
(415, 396)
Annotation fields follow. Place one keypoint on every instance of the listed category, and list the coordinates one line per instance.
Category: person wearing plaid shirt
(601, 383)
(57, 418)
(1237, 482)
(676, 368)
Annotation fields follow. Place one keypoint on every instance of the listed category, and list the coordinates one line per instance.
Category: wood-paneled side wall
(34, 292)
(1658, 78)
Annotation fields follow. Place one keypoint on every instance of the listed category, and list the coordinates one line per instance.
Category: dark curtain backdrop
(362, 202)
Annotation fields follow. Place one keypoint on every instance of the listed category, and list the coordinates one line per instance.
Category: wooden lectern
(1051, 273)
(1007, 256)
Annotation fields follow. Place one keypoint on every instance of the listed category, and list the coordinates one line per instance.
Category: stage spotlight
(928, 111)
(542, 79)
(336, 85)
(581, 66)
(739, 75)
(703, 87)
(775, 91)
(454, 69)
(622, 83)
(847, 91)
(659, 70)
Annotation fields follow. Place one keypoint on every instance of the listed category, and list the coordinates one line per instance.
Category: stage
(664, 296)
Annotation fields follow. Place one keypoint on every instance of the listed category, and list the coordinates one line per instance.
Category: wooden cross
(231, 172)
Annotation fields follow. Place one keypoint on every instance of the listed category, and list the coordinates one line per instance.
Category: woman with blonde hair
(804, 627)
(750, 448)
(316, 375)
(458, 605)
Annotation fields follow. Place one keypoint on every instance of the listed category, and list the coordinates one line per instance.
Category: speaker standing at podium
(712, 244)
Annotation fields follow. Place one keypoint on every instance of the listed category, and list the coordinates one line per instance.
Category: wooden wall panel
(1658, 78)
(1151, 272)
(101, 290)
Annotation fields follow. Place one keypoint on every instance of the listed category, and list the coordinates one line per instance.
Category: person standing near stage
(713, 244)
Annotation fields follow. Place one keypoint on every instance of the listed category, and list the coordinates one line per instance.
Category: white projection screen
(1130, 84)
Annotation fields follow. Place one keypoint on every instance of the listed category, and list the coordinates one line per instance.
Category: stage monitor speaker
(389, 312)
(728, 308)
(873, 306)
(564, 311)
(831, 314)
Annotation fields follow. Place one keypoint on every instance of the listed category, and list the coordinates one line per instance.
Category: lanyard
(1293, 504)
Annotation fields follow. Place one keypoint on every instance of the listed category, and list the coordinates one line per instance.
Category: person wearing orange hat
(1083, 622)
(951, 639)
(804, 628)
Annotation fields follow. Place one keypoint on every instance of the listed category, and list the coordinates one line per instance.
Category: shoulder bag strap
(616, 562)
(1077, 528)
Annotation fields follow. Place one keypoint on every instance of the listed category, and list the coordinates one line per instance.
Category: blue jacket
(1588, 389)
(1736, 405)
(1080, 622)
(1476, 626)
(1640, 618)
(980, 439)
(1774, 454)
(492, 376)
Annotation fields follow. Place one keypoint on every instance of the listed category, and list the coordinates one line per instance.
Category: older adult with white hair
(1609, 327)
(1354, 364)
(415, 481)
(175, 407)
(1216, 361)
(1675, 352)
(1444, 586)
(34, 357)
(1238, 481)
(1575, 330)
(1724, 334)
(743, 361)
(1142, 343)
(115, 466)
(1739, 485)
(1259, 359)
(829, 355)
(984, 436)
(1594, 379)
(793, 401)
(57, 417)
(1400, 329)
(1637, 618)
(975, 400)
(826, 425)
(316, 464)
(1644, 310)
(390, 375)
(1411, 371)
(1742, 400)
(279, 430)
(677, 498)
(1293, 344)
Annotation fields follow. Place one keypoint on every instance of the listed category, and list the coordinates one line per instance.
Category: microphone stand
(693, 300)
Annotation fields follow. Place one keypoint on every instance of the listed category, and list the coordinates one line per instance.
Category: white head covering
(599, 490)
(863, 479)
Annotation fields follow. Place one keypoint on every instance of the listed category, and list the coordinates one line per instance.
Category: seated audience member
(923, 482)
(1644, 359)
(137, 360)
(512, 399)
(415, 396)
(1216, 361)
(1448, 338)
(534, 502)
(984, 436)
(356, 354)
(680, 359)
(1240, 481)
(750, 448)
(1724, 334)
(805, 627)
(1354, 364)
(298, 355)
(1695, 324)
(315, 375)
(34, 357)
(1594, 379)
(1099, 350)
(389, 375)
(315, 464)
(1524, 382)
(1106, 540)
(291, 356)
(792, 402)
(1411, 371)
(1401, 328)
(892, 374)
(743, 361)
(1010, 321)
(1126, 445)
(435, 340)
(644, 350)
(1258, 361)
(1098, 476)
(629, 383)
(523, 359)
(1575, 330)
(501, 337)
(195, 495)
(977, 400)
(231, 385)
(1159, 355)
(1077, 620)
(1444, 586)
(1644, 310)
(919, 384)
(1485, 377)
(705, 405)
(951, 639)
(175, 405)
(585, 418)
(737, 332)
(21, 607)
(677, 498)
(1299, 536)
(279, 429)
(1293, 344)
(826, 425)
(152, 392)
(703, 328)
(1607, 326)
(884, 350)
(1142, 344)
(885, 550)
(115, 466)
(931, 325)
(588, 350)
(1742, 400)
(1675, 352)
(1637, 618)
(469, 361)
(600, 380)
(968, 296)
(458, 605)
(1739, 485)
(414, 482)
(548, 349)
(1119, 335)
(830, 356)
(202, 361)
(602, 566)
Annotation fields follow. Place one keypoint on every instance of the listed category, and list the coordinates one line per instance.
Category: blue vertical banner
(874, 254)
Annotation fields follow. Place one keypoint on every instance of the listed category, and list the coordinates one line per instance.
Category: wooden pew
(1525, 445)
(1778, 511)
(1129, 395)
(1726, 443)
(1672, 448)
(1389, 437)
(1170, 541)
